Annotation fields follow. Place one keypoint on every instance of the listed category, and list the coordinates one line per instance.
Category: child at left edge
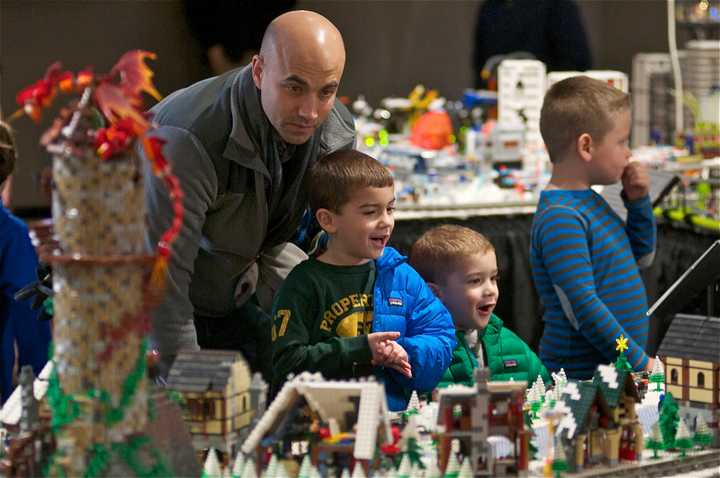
(19, 327)
(358, 309)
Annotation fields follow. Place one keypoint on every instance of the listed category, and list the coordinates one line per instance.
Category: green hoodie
(505, 354)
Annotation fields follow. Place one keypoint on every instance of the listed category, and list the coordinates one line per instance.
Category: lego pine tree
(465, 469)
(621, 346)
(305, 468)
(410, 447)
(654, 442)
(358, 471)
(535, 401)
(249, 470)
(433, 471)
(540, 388)
(405, 467)
(280, 472)
(238, 465)
(212, 466)
(682, 438)
(413, 407)
(702, 436)
(272, 466)
(657, 376)
(453, 466)
(669, 421)
(559, 463)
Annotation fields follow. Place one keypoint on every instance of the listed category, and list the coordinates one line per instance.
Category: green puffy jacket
(505, 354)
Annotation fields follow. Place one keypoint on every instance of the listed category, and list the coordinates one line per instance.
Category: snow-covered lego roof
(330, 399)
(12, 409)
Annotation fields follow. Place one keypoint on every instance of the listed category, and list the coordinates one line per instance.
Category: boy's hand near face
(635, 181)
(388, 353)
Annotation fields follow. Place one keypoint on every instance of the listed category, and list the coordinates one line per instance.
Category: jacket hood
(390, 259)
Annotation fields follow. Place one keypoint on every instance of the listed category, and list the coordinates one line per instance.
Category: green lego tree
(532, 449)
(657, 376)
(452, 469)
(621, 345)
(654, 442)
(669, 421)
(211, 469)
(238, 466)
(682, 438)
(465, 469)
(559, 463)
(305, 468)
(410, 446)
(702, 436)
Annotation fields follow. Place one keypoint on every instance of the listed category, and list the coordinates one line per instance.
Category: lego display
(97, 390)
(219, 395)
(691, 354)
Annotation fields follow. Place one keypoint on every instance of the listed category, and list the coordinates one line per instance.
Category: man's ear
(258, 68)
(436, 290)
(326, 219)
(584, 147)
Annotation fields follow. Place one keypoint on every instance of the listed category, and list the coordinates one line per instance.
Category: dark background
(391, 46)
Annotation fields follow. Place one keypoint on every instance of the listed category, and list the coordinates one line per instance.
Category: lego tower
(98, 271)
(97, 391)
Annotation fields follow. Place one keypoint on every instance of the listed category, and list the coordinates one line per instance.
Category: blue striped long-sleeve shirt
(585, 262)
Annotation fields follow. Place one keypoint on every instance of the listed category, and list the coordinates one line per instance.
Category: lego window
(208, 408)
(674, 376)
(195, 409)
(701, 380)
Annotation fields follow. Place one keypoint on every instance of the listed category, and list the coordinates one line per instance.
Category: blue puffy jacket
(402, 302)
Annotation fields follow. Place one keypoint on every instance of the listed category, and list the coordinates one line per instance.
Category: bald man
(240, 144)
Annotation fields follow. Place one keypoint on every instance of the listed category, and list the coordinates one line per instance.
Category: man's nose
(309, 108)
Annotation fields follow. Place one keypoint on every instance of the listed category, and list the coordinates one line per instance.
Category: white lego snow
(609, 375)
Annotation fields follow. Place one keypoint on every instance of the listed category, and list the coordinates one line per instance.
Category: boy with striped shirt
(585, 260)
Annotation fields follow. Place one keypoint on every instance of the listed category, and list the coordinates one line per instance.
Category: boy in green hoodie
(460, 267)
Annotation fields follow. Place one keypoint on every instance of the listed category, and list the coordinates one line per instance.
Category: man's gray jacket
(224, 151)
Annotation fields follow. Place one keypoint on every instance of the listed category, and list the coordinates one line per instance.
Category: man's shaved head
(305, 31)
(298, 71)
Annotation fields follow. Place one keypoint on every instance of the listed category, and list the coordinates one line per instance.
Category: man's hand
(635, 181)
(388, 353)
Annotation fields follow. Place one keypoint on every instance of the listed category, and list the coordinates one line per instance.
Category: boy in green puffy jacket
(460, 267)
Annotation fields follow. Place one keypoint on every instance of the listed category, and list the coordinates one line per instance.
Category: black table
(519, 306)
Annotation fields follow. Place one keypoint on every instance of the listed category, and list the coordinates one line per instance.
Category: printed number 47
(284, 316)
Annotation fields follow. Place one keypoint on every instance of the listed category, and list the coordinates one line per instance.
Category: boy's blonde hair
(575, 106)
(334, 178)
(437, 251)
(7, 152)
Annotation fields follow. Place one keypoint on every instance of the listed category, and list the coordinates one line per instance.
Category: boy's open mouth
(487, 308)
(379, 241)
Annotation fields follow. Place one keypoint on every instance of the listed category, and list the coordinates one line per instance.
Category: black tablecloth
(519, 306)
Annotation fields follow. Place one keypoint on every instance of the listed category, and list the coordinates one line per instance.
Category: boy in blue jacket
(19, 328)
(358, 308)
